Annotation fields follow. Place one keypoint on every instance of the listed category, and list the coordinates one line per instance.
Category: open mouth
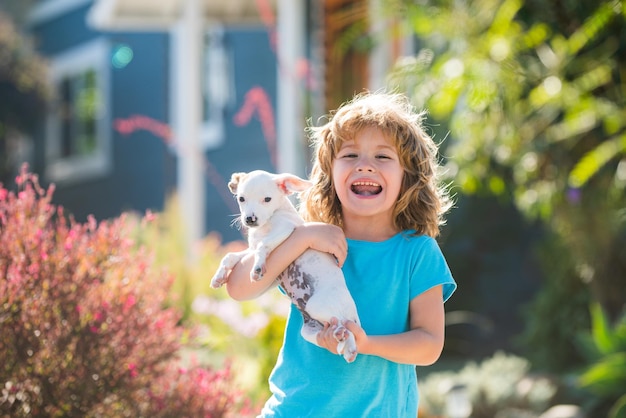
(366, 188)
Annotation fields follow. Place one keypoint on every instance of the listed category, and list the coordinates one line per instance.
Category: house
(175, 95)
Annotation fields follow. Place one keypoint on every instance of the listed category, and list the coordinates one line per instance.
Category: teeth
(365, 183)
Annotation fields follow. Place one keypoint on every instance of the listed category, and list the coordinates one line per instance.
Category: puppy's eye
(242, 199)
(267, 199)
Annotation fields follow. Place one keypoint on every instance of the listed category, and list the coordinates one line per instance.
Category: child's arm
(315, 235)
(421, 345)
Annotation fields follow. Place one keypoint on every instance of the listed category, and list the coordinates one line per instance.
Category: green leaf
(588, 32)
(497, 185)
(618, 410)
(595, 159)
(607, 377)
(600, 330)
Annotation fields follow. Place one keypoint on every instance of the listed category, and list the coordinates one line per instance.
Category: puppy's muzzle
(251, 220)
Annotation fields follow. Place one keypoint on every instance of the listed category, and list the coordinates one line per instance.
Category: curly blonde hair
(422, 201)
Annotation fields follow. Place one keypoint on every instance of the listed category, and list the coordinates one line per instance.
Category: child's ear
(234, 182)
(290, 183)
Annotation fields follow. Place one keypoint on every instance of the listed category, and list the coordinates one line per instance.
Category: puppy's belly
(316, 285)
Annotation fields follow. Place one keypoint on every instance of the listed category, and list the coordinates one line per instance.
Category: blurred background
(140, 107)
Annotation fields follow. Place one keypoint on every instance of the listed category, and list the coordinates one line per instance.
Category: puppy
(314, 281)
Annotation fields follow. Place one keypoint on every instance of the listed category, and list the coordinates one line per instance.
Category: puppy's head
(259, 194)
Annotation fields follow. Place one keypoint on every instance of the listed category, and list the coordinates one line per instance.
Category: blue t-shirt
(383, 277)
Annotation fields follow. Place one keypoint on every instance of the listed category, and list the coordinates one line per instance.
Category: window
(78, 133)
(217, 85)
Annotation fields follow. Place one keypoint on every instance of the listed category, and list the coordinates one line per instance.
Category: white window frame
(93, 55)
(218, 85)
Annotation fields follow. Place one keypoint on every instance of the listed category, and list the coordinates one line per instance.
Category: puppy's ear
(290, 183)
(234, 182)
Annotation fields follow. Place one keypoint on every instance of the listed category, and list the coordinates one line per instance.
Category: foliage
(18, 10)
(23, 88)
(496, 387)
(490, 247)
(23, 77)
(558, 313)
(532, 95)
(192, 267)
(529, 101)
(606, 349)
(84, 330)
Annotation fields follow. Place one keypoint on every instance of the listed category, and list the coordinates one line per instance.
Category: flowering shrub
(84, 331)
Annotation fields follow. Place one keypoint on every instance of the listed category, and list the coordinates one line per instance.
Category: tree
(24, 91)
(534, 96)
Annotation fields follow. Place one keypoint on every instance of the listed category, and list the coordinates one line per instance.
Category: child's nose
(364, 164)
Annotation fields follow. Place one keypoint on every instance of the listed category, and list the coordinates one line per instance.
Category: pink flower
(129, 303)
(150, 216)
(68, 243)
(33, 268)
(132, 368)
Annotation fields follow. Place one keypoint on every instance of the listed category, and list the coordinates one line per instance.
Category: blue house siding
(144, 167)
(63, 32)
(245, 148)
(144, 170)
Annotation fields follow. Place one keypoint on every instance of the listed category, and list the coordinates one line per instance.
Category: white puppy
(313, 281)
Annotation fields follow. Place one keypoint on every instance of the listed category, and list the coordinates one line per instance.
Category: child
(377, 207)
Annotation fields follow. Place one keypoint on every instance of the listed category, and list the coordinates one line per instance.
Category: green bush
(84, 328)
(605, 377)
(558, 313)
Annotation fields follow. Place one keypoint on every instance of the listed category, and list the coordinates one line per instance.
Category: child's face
(367, 176)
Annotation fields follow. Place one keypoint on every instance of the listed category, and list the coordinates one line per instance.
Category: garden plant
(85, 330)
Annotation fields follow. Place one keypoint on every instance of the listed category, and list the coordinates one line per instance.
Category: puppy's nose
(251, 220)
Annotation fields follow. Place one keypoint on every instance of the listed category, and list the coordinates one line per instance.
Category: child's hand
(327, 338)
(359, 335)
(325, 238)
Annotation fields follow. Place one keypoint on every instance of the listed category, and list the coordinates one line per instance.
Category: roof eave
(139, 15)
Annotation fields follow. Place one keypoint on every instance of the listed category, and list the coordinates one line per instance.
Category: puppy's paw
(349, 354)
(218, 280)
(257, 273)
(341, 333)
(347, 348)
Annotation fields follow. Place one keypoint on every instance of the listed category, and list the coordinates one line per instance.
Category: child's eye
(383, 157)
(267, 199)
(242, 199)
(349, 155)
